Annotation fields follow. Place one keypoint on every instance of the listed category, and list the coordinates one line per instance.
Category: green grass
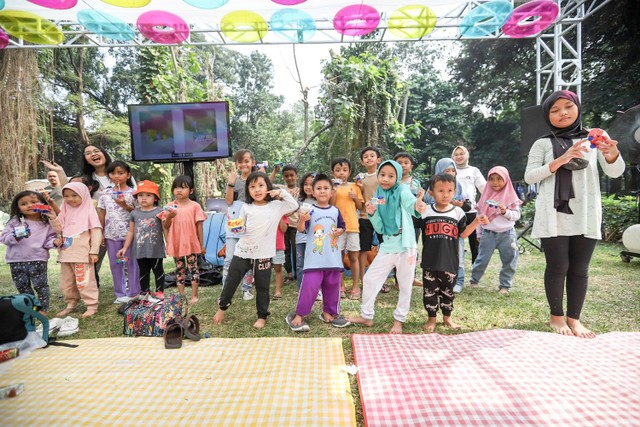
(612, 304)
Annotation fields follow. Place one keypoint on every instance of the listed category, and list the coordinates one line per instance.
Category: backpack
(18, 314)
(144, 318)
(209, 274)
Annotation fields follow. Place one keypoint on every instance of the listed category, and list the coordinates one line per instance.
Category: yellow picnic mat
(212, 382)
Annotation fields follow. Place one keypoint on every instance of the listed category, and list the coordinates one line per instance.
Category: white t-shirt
(470, 179)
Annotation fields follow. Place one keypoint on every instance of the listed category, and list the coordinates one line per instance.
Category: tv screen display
(179, 132)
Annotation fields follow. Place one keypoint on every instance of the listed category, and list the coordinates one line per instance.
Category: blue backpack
(18, 314)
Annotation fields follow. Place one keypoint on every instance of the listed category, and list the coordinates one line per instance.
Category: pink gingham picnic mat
(213, 382)
(499, 378)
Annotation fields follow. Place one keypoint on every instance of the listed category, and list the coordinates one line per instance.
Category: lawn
(613, 304)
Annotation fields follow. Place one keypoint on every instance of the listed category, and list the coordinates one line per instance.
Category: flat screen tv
(179, 132)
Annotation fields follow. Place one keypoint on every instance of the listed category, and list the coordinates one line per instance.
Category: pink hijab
(507, 196)
(77, 220)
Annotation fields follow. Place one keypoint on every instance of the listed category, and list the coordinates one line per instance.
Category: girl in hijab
(390, 212)
(568, 206)
(501, 204)
(471, 181)
(78, 245)
(461, 200)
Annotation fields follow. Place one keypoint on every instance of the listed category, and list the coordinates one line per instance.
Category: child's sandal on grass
(354, 295)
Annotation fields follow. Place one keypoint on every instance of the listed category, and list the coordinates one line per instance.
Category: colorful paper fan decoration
(207, 4)
(1, 4)
(128, 3)
(244, 26)
(30, 27)
(531, 18)
(4, 39)
(356, 20)
(105, 25)
(412, 21)
(486, 19)
(163, 27)
(294, 25)
(55, 4)
(288, 2)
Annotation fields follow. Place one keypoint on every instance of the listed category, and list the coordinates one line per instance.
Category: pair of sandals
(180, 327)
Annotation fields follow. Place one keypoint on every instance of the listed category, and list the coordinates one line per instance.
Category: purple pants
(117, 270)
(329, 281)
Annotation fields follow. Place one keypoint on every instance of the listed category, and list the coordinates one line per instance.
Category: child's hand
(420, 195)
(171, 213)
(483, 219)
(233, 175)
(370, 208)
(304, 217)
(57, 242)
(203, 249)
(93, 258)
(457, 203)
(503, 209)
(121, 202)
(352, 193)
(52, 166)
(421, 206)
(121, 253)
(275, 193)
(609, 147)
(338, 232)
(295, 192)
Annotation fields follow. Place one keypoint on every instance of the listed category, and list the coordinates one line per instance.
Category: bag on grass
(18, 314)
(144, 318)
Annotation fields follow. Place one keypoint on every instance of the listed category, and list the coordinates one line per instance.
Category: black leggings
(262, 278)
(147, 265)
(567, 257)
(473, 237)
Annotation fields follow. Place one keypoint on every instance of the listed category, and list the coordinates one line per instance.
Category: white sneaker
(319, 296)
(247, 295)
(122, 300)
(457, 289)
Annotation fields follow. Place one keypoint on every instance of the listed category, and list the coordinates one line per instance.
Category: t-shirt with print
(440, 243)
(347, 205)
(116, 219)
(322, 251)
(369, 187)
(233, 211)
(148, 236)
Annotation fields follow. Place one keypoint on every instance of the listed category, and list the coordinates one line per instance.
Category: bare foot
(430, 326)
(260, 323)
(450, 323)
(417, 282)
(578, 329)
(65, 312)
(503, 291)
(219, 317)
(193, 300)
(396, 328)
(559, 325)
(89, 313)
(361, 321)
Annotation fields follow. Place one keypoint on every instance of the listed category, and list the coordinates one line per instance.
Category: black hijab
(562, 140)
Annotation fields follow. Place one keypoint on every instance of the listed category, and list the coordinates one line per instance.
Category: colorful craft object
(360, 176)
(336, 181)
(149, 23)
(122, 260)
(379, 200)
(206, 4)
(55, 4)
(42, 208)
(30, 27)
(236, 225)
(288, 2)
(21, 232)
(596, 137)
(4, 39)
(105, 25)
(244, 26)
(412, 22)
(356, 20)
(128, 3)
(493, 203)
(294, 25)
(486, 19)
(542, 13)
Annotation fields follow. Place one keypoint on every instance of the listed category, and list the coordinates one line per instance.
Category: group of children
(320, 217)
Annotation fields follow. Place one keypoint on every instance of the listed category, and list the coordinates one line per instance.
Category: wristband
(230, 185)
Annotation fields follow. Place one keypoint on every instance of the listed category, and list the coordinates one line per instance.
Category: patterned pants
(438, 292)
(32, 276)
(192, 266)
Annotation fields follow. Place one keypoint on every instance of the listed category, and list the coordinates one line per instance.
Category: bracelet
(230, 185)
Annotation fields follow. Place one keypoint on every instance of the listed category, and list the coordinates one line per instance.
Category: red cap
(147, 187)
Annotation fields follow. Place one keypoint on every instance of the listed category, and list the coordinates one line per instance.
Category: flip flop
(173, 335)
(191, 327)
(277, 296)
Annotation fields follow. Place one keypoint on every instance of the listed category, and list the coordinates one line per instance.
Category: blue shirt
(322, 251)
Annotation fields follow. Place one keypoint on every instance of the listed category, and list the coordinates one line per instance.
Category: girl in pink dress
(182, 222)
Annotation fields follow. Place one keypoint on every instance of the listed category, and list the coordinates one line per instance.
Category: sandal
(354, 295)
(190, 326)
(277, 296)
(343, 294)
(385, 289)
(173, 334)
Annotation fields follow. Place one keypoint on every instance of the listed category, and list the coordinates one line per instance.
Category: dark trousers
(473, 237)
(437, 287)
(262, 278)
(146, 266)
(567, 258)
(31, 276)
(290, 251)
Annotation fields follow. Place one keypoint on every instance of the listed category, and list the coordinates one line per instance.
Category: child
(244, 161)
(290, 175)
(391, 216)
(146, 227)
(260, 217)
(306, 196)
(447, 165)
(323, 259)
(114, 210)
(183, 226)
(407, 162)
(29, 235)
(79, 246)
(370, 158)
(444, 225)
(348, 199)
(278, 260)
(501, 232)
